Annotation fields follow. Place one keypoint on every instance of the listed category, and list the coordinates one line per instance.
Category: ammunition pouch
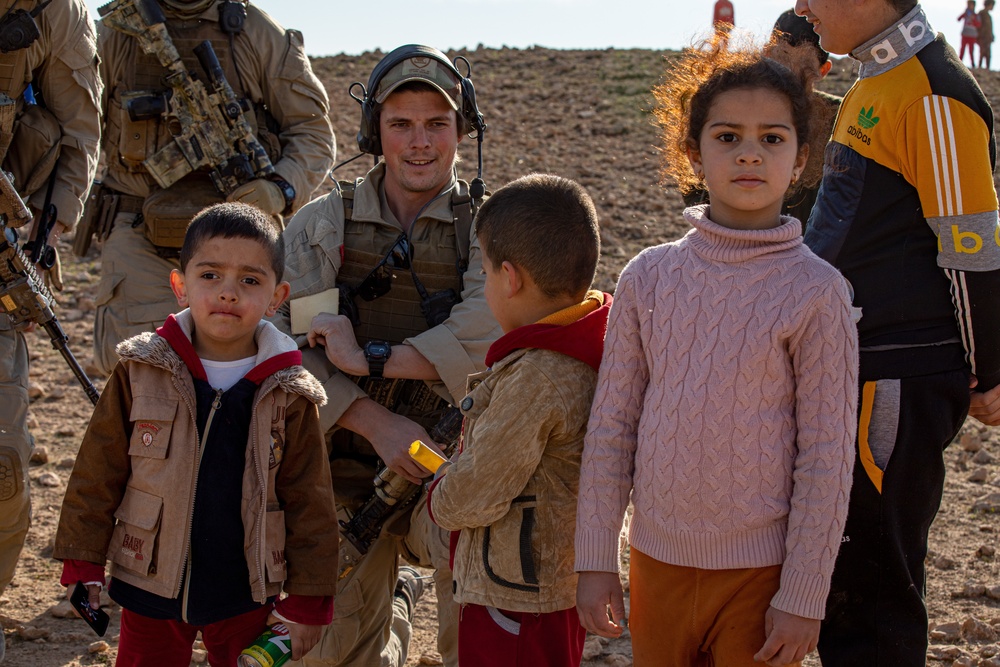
(136, 139)
(34, 149)
(166, 213)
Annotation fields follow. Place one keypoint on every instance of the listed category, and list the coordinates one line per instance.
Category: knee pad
(10, 473)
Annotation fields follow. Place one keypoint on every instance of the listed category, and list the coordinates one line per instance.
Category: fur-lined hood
(278, 359)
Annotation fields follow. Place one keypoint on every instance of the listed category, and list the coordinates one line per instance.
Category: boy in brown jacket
(512, 490)
(202, 476)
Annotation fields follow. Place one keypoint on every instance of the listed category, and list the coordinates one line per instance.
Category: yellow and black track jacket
(908, 212)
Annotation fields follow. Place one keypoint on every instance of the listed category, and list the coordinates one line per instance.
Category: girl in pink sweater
(725, 404)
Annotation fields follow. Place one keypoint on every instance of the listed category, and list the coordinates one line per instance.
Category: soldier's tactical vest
(14, 74)
(396, 315)
(13, 80)
(36, 149)
(144, 75)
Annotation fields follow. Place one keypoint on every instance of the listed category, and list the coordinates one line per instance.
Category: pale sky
(356, 26)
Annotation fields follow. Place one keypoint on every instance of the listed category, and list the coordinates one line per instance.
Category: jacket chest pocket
(509, 557)
(152, 420)
(133, 543)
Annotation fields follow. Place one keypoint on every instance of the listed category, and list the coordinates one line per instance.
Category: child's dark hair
(700, 75)
(233, 220)
(794, 30)
(547, 226)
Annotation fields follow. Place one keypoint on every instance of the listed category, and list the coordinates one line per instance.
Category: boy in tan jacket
(511, 493)
(202, 476)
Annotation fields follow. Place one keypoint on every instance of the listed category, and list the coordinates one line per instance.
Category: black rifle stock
(392, 493)
(23, 295)
(214, 132)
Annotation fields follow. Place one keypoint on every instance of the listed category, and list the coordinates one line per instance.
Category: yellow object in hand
(426, 456)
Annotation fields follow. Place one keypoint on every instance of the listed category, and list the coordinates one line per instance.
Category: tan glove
(263, 194)
(53, 277)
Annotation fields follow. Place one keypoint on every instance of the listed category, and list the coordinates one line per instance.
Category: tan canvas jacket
(313, 241)
(131, 493)
(512, 491)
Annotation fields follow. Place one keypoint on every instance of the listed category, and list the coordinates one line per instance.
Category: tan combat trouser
(134, 294)
(15, 449)
(368, 629)
(430, 545)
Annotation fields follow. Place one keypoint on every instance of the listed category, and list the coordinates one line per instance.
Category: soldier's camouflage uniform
(265, 64)
(365, 631)
(61, 66)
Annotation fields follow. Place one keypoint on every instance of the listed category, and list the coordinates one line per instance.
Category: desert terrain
(580, 114)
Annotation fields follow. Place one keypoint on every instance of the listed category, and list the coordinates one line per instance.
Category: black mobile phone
(97, 619)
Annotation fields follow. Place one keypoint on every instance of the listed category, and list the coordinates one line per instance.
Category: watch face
(377, 350)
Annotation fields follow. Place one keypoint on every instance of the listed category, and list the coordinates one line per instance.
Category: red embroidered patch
(148, 431)
(132, 547)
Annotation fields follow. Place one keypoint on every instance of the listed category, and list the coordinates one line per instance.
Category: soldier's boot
(409, 588)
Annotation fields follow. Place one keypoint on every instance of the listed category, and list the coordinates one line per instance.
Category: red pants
(148, 642)
(488, 637)
(970, 44)
(689, 617)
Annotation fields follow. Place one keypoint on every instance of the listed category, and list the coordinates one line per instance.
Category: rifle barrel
(60, 342)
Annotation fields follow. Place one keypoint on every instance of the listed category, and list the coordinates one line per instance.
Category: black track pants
(875, 615)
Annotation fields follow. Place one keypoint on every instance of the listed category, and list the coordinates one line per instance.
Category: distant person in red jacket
(723, 14)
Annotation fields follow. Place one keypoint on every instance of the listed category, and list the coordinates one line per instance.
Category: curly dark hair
(715, 66)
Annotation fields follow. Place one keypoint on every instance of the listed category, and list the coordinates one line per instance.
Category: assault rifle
(392, 493)
(23, 296)
(212, 129)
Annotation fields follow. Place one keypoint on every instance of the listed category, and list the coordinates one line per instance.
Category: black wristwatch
(287, 191)
(377, 352)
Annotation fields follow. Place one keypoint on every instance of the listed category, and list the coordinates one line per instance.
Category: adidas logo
(866, 119)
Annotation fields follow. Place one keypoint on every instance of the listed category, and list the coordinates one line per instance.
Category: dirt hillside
(580, 114)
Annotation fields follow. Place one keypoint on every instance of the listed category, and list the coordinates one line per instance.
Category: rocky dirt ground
(580, 114)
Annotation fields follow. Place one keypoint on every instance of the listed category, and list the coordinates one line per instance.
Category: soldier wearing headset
(401, 247)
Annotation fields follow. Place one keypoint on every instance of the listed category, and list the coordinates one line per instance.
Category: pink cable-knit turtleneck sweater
(726, 405)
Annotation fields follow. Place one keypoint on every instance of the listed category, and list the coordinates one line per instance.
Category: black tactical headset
(469, 116)
(468, 113)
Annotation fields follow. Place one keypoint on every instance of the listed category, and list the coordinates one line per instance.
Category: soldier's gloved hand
(263, 194)
(53, 277)
(58, 230)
